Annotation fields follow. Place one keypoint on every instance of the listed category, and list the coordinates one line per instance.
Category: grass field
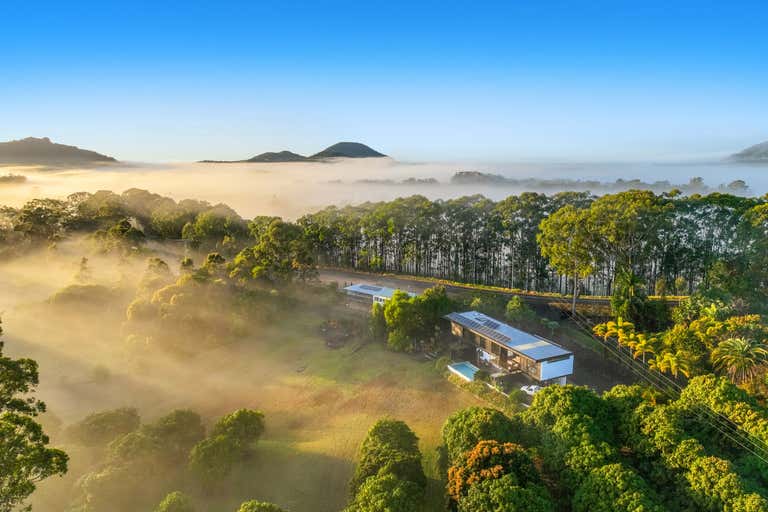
(316, 418)
(319, 404)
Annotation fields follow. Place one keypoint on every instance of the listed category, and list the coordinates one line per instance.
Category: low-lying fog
(292, 189)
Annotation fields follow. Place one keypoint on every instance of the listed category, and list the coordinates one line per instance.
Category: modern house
(372, 293)
(505, 349)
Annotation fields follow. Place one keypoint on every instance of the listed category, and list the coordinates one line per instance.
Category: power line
(725, 423)
(663, 383)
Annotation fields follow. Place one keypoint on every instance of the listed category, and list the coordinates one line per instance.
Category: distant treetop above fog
(694, 186)
(42, 151)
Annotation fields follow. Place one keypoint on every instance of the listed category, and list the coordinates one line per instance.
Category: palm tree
(679, 362)
(618, 329)
(672, 362)
(644, 345)
(740, 358)
(658, 363)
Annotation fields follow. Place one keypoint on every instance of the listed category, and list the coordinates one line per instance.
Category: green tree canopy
(505, 494)
(100, 428)
(25, 457)
(385, 492)
(615, 488)
(491, 460)
(259, 506)
(465, 428)
(175, 502)
(243, 426)
(392, 447)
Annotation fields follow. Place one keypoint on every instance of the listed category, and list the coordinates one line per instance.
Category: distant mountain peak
(347, 150)
(40, 150)
(338, 150)
(278, 156)
(756, 153)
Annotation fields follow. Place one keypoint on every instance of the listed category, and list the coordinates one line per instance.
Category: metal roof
(374, 291)
(530, 345)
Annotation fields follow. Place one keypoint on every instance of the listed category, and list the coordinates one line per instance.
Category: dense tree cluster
(489, 470)
(706, 339)
(671, 243)
(147, 458)
(388, 476)
(141, 465)
(201, 306)
(101, 428)
(269, 248)
(127, 218)
(280, 255)
(408, 322)
(630, 449)
(229, 442)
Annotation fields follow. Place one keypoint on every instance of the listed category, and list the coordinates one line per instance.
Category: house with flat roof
(373, 293)
(506, 349)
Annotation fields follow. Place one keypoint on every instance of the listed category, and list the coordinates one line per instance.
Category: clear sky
(507, 81)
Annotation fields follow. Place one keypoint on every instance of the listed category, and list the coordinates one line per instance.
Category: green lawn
(319, 403)
(317, 418)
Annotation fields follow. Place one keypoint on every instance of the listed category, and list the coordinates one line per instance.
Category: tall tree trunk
(575, 293)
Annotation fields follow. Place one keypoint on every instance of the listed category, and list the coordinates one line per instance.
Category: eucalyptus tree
(567, 243)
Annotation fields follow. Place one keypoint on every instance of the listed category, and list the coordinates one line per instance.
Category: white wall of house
(556, 369)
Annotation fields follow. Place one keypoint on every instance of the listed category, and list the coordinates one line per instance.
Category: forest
(674, 244)
(185, 289)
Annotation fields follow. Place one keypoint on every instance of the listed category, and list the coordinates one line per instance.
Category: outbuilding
(372, 293)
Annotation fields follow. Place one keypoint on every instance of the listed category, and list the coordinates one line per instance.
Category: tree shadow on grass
(282, 474)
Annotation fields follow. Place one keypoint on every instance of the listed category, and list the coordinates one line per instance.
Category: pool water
(465, 370)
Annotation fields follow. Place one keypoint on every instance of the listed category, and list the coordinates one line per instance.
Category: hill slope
(756, 153)
(338, 150)
(347, 150)
(268, 157)
(279, 156)
(42, 151)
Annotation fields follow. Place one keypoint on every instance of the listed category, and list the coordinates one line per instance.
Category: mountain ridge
(756, 153)
(34, 150)
(338, 150)
(347, 150)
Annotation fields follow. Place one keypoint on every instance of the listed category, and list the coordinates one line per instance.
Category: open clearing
(319, 403)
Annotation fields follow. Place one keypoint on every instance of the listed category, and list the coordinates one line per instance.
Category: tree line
(570, 242)
(567, 242)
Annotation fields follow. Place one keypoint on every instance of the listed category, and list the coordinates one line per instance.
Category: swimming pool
(465, 370)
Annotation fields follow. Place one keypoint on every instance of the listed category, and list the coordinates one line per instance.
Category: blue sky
(482, 81)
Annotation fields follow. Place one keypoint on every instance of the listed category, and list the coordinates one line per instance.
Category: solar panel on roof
(370, 288)
(520, 341)
(491, 324)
